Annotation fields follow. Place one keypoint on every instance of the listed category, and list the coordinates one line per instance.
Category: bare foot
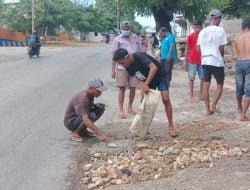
(239, 109)
(131, 111)
(244, 118)
(122, 116)
(215, 110)
(210, 112)
(192, 99)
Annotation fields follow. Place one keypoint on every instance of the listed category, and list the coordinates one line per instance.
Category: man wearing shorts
(147, 69)
(193, 60)
(211, 41)
(242, 70)
(132, 43)
(168, 51)
(81, 112)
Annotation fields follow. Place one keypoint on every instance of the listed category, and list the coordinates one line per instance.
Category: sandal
(173, 133)
(75, 138)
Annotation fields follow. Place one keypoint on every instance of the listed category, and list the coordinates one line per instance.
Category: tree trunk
(164, 15)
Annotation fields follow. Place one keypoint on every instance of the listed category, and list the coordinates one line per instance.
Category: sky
(146, 21)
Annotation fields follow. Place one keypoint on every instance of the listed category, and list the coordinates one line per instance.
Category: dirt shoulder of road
(211, 152)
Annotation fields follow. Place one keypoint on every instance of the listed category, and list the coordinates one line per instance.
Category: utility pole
(117, 15)
(33, 15)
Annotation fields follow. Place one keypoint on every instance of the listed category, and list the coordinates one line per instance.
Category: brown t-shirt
(79, 104)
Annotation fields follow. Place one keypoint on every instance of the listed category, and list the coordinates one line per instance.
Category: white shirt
(210, 39)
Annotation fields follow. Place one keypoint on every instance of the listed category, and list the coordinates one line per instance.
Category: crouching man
(81, 113)
(152, 73)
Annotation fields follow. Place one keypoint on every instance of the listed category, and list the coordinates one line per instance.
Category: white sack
(143, 119)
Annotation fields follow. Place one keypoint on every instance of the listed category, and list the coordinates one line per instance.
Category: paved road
(35, 153)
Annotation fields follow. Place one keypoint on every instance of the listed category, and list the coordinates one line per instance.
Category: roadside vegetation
(84, 16)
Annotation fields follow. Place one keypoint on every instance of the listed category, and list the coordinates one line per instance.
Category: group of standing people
(205, 55)
(132, 67)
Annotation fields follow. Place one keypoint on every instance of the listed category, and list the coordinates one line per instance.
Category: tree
(108, 12)
(162, 10)
(194, 9)
(2, 15)
(237, 8)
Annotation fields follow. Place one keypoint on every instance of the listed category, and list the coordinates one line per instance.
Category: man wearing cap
(211, 41)
(81, 112)
(132, 43)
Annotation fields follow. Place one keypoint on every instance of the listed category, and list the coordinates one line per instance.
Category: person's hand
(184, 65)
(145, 89)
(113, 74)
(168, 59)
(104, 138)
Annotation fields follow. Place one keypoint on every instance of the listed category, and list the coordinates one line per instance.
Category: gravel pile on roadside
(154, 160)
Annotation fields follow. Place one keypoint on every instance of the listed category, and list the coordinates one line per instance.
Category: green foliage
(238, 8)
(108, 11)
(50, 14)
(194, 9)
(18, 17)
(74, 14)
(2, 15)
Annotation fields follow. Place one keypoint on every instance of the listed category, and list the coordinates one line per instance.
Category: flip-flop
(173, 133)
(75, 138)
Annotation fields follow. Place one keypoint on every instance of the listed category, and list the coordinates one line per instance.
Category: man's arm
(152, 72)
(171, 47)
(198, 48)
(186, 53)
(170, 50)
(113, 69)
(222, 52)
(101, 135)
(115, 46)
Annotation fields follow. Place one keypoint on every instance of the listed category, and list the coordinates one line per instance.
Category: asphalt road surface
(35, 153)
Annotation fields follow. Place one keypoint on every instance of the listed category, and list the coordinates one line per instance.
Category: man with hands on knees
(81, 113)
(152, 73)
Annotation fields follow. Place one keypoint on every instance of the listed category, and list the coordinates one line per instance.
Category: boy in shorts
(211, 42)
(193, 60)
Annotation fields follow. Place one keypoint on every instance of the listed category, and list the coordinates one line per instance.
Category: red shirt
(193, 55)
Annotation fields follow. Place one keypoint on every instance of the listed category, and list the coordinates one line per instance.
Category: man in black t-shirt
(152, 73)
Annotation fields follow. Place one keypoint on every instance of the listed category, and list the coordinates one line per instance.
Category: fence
(12, 38)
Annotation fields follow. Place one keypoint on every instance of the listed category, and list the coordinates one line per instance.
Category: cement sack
(143, 119)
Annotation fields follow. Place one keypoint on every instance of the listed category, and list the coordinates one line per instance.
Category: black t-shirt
(155, 42)
(140, 68)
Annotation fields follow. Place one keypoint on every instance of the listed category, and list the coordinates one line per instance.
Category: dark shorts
(242, 78)
(167, 68)
(162, 86)
(94, 114)
(217, 72)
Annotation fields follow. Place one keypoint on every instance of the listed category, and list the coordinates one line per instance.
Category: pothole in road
(156, 158)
